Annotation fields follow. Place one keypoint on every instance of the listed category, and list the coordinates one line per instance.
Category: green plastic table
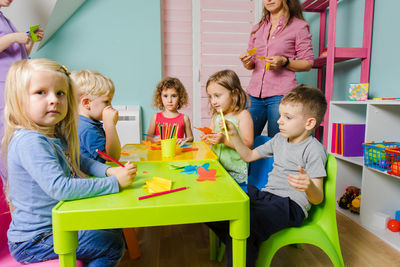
(203, 201)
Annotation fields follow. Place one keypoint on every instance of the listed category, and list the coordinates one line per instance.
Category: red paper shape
(155, 148)
(145, 172)
(205, 175)
(187, 149)
(205, 130)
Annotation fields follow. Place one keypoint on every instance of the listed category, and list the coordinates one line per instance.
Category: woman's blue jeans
(97, 248)
(265, 110)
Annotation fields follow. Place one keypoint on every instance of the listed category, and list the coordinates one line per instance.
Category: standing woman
(282, 39)
(14, 46)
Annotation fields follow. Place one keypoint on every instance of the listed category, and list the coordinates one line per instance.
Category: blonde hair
(92, 83)
(16, 104)
(170, 83)
(230, 81)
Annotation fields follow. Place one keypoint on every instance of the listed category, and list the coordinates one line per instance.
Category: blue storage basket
(375, 155)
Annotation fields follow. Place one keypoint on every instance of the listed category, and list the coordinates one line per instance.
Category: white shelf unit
(380, 191)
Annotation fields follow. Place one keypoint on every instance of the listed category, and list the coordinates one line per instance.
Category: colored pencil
(152, 135)
(223, 120)
(110, 158)
(163, 193)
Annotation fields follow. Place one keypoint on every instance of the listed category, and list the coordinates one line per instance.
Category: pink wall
(224, 33)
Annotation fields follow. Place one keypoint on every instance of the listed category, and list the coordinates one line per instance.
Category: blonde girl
(225, 93)
(41, 148)
(170, 96)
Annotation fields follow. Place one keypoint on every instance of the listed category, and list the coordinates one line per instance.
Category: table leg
(239, 231)
(65, 245)
(238, 252)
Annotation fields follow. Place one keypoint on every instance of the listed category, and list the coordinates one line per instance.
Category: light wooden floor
(187, 245)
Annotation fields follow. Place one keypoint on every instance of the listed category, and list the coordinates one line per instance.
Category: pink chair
(5, 257)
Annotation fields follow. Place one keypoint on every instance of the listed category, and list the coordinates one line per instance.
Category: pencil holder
(168, 147)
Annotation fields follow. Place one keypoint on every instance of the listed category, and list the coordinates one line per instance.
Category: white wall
(24, 14)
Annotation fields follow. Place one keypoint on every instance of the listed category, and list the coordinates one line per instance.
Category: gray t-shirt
(310, 155)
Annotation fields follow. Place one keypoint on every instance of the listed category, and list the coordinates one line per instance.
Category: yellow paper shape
(261, 57)
(158, 184)
(267, 65)
(252, 51)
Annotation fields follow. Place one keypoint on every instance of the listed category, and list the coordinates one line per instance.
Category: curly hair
(170, 83)
(229, 80)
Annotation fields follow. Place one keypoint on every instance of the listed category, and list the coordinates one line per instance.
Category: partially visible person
(296, 180)
(44, 165)
(283, 37)
(95, 93)
(14, 45)
(226, 95)
(170, 96)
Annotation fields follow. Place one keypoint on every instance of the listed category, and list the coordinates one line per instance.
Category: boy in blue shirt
(95, 92)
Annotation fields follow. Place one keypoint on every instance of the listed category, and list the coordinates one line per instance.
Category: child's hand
(156, 139)
(181, 140)
(216, 138)
(301, 181)
(232, 131)
(110, 116)
(125, 175)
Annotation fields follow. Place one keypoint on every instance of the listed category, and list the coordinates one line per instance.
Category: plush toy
(351, 193)
(355, 205)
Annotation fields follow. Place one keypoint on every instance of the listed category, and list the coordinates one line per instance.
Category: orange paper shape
(125, 153)
(205, 130)
(147, 143)
(205, 175)
(145, 172)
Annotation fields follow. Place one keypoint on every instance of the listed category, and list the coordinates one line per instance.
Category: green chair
(319, 229)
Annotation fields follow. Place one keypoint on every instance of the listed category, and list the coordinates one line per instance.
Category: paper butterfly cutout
(206, 175)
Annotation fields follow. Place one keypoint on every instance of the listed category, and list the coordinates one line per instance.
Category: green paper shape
(32, 31)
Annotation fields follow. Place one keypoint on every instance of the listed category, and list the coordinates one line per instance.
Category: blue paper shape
(190, 169)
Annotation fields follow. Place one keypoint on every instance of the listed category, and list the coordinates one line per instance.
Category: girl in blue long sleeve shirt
(44, 165)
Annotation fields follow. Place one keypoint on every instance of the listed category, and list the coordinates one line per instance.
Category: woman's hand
(21, 37)
(247, 61)
(276, 62)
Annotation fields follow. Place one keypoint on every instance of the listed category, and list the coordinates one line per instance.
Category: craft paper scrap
(252, 51)
(158, 184)
(205, 130)
(178, 164)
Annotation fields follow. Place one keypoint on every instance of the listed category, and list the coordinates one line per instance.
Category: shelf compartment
(342, 54)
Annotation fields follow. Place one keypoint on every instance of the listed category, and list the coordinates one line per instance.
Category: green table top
(203, 201)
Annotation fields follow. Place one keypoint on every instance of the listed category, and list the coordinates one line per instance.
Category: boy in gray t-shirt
(296, 180)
